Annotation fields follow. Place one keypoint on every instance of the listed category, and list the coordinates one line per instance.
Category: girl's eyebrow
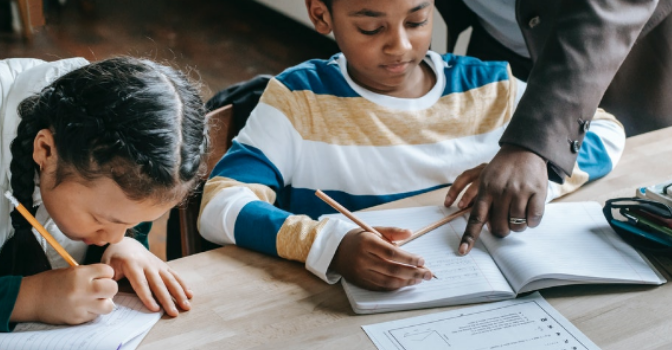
(116, 221)
(371, 13)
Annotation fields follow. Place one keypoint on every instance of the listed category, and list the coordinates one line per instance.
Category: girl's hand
(369, 261)
(148, 274)
(471, 178)
(66, 296)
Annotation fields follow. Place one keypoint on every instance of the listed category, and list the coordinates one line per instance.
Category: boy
(383, 120)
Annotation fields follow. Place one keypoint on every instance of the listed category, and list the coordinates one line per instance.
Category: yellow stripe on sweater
(218, 183)
(296, 237)
(356, 121)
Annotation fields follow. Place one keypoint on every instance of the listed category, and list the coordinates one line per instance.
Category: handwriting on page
(476, 274)
(527, 324)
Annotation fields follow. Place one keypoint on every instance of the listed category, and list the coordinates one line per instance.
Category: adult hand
(373, 263)
(511, 195)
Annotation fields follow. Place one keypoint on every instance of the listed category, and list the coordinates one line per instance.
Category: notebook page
(573, 243)
(130, 320)
(461, 279)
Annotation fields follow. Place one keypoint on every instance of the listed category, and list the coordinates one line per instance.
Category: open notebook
(123, 329)
(573, 245)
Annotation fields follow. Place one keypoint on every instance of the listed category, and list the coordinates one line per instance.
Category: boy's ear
(320, 16)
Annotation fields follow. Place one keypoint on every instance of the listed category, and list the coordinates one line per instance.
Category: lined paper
(575, 244)
(475, 275)
(123, 329)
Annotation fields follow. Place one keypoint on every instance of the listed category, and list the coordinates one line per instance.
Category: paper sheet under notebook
(528, 323)
(123, 329)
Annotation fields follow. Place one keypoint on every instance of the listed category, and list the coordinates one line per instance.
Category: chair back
(221, 133)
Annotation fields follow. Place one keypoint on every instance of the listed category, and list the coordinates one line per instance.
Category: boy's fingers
(175, 289)
(141, 287)
(395, 254)
(477, 218)
(461, 181)
(394, 233)
(158, 286)
(401, 271)
(378, 281)
(468, 196)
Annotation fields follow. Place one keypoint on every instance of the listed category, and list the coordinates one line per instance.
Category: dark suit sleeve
(9, 291)
(584, 45)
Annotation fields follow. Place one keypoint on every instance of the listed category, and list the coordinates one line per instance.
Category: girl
(93, 150)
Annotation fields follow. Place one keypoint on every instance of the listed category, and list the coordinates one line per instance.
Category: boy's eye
(370, 32)
(417, 24)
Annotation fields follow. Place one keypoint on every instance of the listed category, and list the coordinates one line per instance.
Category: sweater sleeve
(9, 291)
(240, 201)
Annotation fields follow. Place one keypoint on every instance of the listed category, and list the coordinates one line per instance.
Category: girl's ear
(44, 150)
(320, 16)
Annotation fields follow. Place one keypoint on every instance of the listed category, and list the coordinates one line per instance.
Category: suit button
(576, 146)
(586, 126)
(534, 22)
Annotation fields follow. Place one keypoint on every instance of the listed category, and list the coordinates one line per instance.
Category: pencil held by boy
(385, 105)
(96, 149)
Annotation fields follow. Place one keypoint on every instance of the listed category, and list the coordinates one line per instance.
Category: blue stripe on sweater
(317, 76)
(257, 227)
(322, 78)
(466, 73)
(304, 201)
(248, 164)
(593, 157)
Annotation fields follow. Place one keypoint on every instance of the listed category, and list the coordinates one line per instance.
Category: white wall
(296, 9)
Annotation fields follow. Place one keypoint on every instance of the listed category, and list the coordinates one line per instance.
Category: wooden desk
(244, 300)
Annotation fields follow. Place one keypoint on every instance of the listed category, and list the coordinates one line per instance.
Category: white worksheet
(528, 323)
(123, 329)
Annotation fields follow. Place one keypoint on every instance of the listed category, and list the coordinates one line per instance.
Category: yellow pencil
(31, 219)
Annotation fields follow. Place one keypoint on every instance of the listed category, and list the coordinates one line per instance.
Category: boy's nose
(398, 43)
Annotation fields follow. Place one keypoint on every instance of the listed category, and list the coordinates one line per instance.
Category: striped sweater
(315, 128)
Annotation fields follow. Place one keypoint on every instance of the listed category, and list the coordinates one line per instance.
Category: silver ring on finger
(517, 221)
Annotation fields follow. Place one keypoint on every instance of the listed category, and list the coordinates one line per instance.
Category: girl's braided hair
(132, 120)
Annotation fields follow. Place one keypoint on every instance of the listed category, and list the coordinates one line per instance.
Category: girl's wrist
(26, 305)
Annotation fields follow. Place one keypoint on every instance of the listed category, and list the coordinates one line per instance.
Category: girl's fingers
(158, 286)
(187, 291)
(141, 287)
(175, 288)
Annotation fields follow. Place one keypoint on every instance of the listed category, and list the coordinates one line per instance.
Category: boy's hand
(148, 274)
(471, 178)
(369, 261)
(66, 296)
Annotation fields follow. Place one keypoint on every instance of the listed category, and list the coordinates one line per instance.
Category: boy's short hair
(327, 3)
